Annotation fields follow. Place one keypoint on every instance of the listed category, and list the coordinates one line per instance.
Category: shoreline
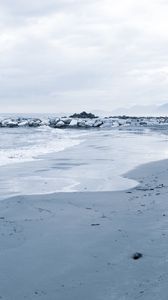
(96, 164)
(78, 245)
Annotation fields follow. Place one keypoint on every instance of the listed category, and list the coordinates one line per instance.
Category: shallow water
(52, 160)
(27, 144)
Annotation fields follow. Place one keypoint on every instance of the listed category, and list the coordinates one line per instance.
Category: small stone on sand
(137, 255)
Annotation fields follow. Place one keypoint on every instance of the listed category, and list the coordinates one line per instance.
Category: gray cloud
(72, 55)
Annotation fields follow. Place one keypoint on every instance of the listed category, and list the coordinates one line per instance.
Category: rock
(121, 122)
(12, 124)
(53, 122)
(9, 123)
(82, 123)
(84, 115)
(66, 121)
(60, 124)
(142, 123)
(115, 124)
(34, 122)
(107, 123)
(85, 120)
(73, 123)
(98, 123)
(89, 123)
(23, 123)
(137, 255)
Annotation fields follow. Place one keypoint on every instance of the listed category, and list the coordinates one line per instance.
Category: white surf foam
(45, 141)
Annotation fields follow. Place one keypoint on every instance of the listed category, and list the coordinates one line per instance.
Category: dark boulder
(84, 115)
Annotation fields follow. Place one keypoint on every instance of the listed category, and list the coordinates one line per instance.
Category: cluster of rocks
(84, 115)
(20, 122)
(85, 120)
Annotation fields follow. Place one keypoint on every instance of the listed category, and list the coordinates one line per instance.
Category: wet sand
(69, 246)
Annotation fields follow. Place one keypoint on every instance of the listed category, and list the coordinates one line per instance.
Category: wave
(30, 146)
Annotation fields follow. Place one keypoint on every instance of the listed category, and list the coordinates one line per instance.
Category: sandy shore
(72, 246)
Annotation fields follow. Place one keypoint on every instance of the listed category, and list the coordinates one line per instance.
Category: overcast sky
(73, 55)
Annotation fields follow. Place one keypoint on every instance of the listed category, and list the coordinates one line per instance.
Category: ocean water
(28, 144)
(47, 160)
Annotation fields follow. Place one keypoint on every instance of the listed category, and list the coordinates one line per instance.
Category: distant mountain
(101, 113)
(143, 110)
(163, 108)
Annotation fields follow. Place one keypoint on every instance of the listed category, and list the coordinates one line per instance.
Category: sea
(48, 160)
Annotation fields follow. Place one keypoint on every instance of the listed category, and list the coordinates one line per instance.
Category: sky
(74, 55)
